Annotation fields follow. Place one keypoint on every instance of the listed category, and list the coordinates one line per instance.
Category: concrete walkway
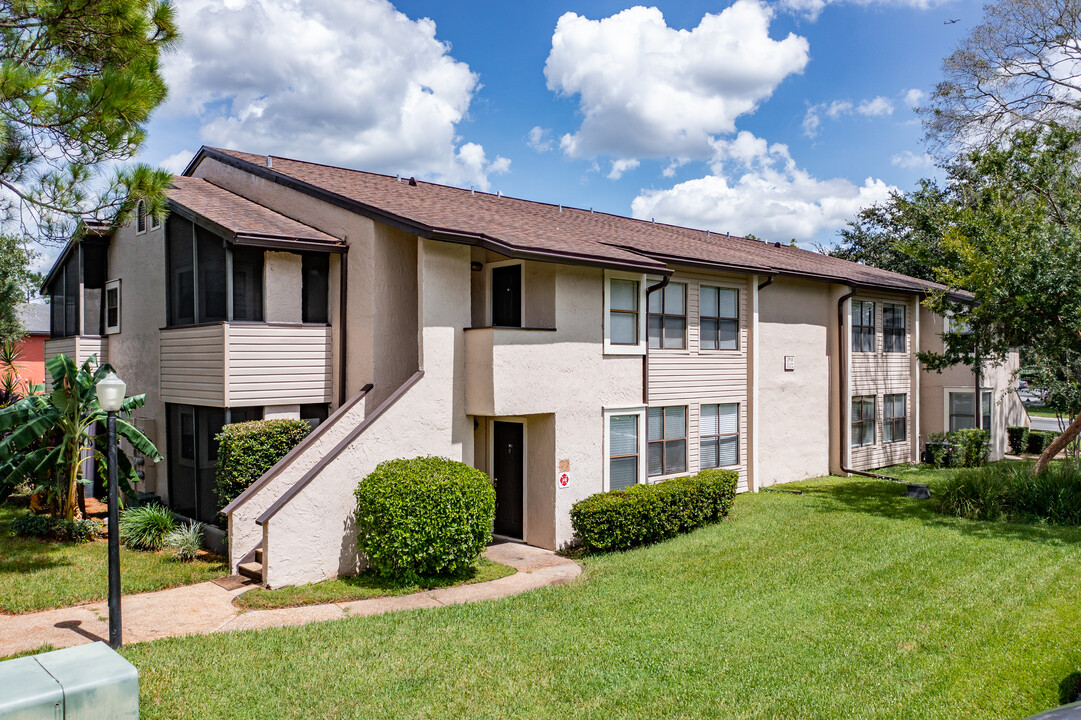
(208, 608)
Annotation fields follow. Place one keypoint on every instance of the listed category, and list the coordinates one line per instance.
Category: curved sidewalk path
(208, 608)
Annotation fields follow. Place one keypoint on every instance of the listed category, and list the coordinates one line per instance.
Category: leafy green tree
(50, 434)
(78, 81)
(1015, 230)
(15, 277)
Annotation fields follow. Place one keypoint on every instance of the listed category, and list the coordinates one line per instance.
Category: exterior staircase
(253, 569)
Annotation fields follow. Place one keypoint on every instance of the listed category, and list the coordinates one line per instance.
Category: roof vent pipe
(471, 191)
(269, 161)
(560, 207)
(499, 193)
(412, 182)
(398, 177)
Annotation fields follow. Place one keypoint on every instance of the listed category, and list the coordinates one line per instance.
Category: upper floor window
(667, 436)
(112, 307)
(140, 217)
(623, 311)
(315, 288)
(667, 320)
(76, 291)
(154, 222)
(893, 328)
(201, 288)
(506, 283)
(719, 318)
(863, 421)
(863, 326)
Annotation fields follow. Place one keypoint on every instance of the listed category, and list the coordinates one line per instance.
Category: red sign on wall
(564, 480)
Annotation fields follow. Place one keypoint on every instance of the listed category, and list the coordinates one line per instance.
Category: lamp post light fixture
(110, 390)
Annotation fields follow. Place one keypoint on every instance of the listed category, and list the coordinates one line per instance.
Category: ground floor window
(718, 435)
(962, 411)
(894, 418)
(863, 420)
(191, 432)
(622, 451)
(667, 436)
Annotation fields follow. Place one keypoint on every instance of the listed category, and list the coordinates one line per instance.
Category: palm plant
(51, 433)
(11, 384)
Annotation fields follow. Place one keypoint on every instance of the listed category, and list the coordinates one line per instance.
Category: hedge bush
(1018, 439)
(960, 448)
(644, 514)
(48, 527)
(424, 517)
(247, 450)
(1009, 491)
(1040, 440)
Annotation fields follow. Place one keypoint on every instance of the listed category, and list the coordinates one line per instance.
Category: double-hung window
(718, 435)
(894, 418)
(622, 451)
(893, 328)
(667, 440)
(112, 307)
(863, 326)
(668, 317)
(962, 410)
(863, 420)
(719, 318)
(622, 311)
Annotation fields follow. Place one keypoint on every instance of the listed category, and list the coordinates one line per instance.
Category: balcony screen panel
(56, 310)
(248, 284)
(181, 271)
(212, 277)
(316, 287)
(71, 296)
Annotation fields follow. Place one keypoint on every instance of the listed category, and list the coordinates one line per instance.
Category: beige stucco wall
(429, 419)
(139, 262)
(283, 278)
(794, 319)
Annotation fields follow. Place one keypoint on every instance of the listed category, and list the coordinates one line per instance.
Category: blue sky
(371, 85)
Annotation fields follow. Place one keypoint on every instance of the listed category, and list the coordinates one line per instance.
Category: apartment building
(562, 351)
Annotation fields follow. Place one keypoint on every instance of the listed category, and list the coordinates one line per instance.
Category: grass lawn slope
(849, 601)
(42, 574)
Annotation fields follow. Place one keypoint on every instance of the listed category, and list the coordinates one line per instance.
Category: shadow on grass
(887, 499)
(1069, 689)
(23, 555)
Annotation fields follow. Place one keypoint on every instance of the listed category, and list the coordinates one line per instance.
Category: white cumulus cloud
(813, 8)
(350, 83)
(649, 90)
(540, 139)
(176, 162)
(911, 160)
(756, 187)
(837, 109)
(621, 166)
(913, 97)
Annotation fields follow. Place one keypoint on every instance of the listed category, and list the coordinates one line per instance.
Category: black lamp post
(110, 390)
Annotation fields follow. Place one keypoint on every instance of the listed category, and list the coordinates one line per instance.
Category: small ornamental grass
(1010, 492)
(145, 527)
(424, 517)
(185, 541)
(645, 514)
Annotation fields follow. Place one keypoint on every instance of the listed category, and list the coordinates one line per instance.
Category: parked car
(1065, 712)
(1022, 384)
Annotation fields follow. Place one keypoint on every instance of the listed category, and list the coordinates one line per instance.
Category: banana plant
(49, 434)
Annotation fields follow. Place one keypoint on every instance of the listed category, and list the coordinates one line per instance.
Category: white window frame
(885, 419)
(875, 419)
(112, 329)
(640, 411)
(488, 267)
(140, 212)
(154, 222)
(686, 442)
(738, 434)
(739, 322)
(616, 349)
(946, 391)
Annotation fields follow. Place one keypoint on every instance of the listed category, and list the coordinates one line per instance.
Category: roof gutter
(842, 369)
(645, 358)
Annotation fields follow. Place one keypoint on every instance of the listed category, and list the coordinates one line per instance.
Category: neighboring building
(31, 364)
(562, 351)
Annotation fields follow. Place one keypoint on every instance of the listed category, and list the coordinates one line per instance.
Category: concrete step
(252, 570)
(259, 555)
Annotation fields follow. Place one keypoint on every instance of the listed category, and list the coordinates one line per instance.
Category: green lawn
(362, 587)
(848, 601)
(38, 574)
(1041, 411)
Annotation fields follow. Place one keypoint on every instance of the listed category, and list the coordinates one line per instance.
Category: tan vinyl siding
(237, 365)
(879, 374)
(274, 364)
(79, 349)
(696, 377)
(192, 363)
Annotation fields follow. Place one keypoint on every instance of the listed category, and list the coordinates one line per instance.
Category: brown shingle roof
(527, 227)
(239, 216)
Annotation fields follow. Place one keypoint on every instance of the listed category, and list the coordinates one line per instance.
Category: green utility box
(80, 683)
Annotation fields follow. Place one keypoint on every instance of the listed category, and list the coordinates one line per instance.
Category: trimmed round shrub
(247, 450)
(1018, 439)
(645, 514)
(145, 527)
(424, 517)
